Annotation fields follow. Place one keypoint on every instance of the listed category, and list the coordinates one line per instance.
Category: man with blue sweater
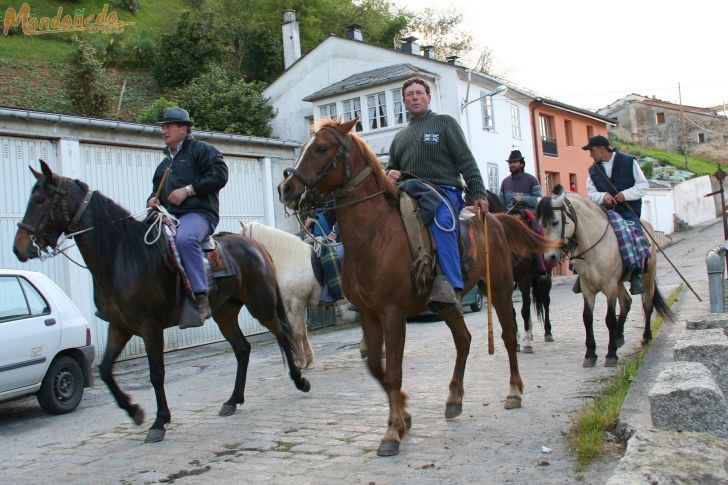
(617, 183)
(433, 148)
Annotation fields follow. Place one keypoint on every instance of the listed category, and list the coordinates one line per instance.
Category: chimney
(410, 46)
(291, 39)
(454, 60)
(427, 51)
(353, 32)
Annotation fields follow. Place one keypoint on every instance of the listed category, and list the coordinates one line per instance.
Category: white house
(345, 77)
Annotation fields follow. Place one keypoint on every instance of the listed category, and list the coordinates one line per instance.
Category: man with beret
(197, 172)
(616, 182)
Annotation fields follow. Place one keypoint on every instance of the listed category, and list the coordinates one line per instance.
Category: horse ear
(47, 172)
(346, 127)
(35, 173)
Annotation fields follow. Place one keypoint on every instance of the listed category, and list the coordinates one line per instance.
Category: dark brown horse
(530, 284)
(134, 288)
(376, 266)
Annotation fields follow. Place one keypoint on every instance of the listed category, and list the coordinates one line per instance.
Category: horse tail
(522, 241)
(538, 299)
(661, 307)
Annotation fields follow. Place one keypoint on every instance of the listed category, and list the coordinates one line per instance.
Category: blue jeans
(448, 254)
(192, 230)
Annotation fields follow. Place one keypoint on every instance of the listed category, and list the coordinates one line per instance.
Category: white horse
(590, 242)
(296, 279)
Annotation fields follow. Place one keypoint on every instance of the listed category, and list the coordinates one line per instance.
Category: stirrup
(442, 291)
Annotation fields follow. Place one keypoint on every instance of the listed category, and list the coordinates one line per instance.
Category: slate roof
(366, 79)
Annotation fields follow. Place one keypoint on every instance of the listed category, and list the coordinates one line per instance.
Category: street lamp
(499, 90)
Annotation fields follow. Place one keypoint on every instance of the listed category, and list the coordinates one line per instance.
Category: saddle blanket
(633, 247)
(332, 272)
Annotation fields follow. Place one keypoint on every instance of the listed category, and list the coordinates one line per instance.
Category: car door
(29, 335)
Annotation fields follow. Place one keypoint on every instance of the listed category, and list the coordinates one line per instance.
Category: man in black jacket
(197, 172)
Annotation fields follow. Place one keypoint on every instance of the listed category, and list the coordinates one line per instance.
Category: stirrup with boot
(577, 286)
(442, 291)
(195, 314)
(635, 284)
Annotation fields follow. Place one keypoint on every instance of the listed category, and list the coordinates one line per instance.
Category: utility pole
(683, 135)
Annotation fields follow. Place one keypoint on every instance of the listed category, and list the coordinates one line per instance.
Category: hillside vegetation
(697, 165)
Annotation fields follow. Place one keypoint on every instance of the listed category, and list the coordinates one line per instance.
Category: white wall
(691, 205)
(657, 209)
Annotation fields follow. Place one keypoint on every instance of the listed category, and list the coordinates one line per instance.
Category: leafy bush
(183, 54)
(155, 112)
(648, 169)
(86, 83)
(219, 101)
(130, 5)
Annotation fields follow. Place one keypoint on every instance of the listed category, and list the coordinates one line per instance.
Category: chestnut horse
(590, 242)
(376, 266)
(135, 289)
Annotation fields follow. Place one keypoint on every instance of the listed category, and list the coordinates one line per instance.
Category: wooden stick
(162, 184)
(491, 344)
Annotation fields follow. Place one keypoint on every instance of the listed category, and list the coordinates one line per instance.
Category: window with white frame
(328, 111)
(486, 105)
(377, 111)
(401, 115)
(352, 109)
(516, 121)
(493, 185)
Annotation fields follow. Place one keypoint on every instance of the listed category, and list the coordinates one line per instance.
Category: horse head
(55, 206)
(558, 219)
(324, 165)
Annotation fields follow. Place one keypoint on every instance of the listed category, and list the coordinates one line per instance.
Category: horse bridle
(341, 155)
(567, 211)
(39, 235)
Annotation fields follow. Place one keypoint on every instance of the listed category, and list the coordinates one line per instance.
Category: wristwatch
(189, 191)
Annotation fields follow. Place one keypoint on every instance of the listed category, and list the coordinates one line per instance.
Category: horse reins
(567, 210)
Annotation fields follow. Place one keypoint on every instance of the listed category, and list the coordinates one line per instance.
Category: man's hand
(394, 175)
(619, 197)
(309, 223)
(518, 197)
(152, 202)
(177, 196)
(480, 205)
(610, 201)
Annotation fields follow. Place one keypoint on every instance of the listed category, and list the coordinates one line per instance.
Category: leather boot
(195, 314)
(577, 286)
(635, 284)
(442, 291)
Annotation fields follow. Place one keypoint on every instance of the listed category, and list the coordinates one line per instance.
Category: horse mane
(387, 186)
(281, 245)
(545, 209)
(496, 205)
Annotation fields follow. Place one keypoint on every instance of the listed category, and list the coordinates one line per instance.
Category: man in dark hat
(190, 193)
(520, 190)
(616, 182)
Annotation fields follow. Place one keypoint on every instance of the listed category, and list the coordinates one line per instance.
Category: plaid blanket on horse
(332, 271)
(633, 247)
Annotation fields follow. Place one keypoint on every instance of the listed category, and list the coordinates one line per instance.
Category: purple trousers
(192, 230)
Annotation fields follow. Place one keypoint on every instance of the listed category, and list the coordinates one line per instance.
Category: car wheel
(62, 387)
(477, 305)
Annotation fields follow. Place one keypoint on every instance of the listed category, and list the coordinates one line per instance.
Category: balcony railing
(549, 146)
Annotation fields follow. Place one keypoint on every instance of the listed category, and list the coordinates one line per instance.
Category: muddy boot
(577, 286)
(635, 285)
(195, 314)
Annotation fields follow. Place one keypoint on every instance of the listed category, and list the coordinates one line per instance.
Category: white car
(45, 342)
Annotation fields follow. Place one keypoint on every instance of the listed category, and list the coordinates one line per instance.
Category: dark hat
(176, 115)
(516, 156)
(596, 141)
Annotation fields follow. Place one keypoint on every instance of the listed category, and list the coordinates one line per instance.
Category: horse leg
(502, 301)
(625, 303)
(611, 320)
(526, 315)
(544, 295)
(518, 335)
(116, 340)
(300, 332)
(648, 299)
(590, 358)
(226, 318)
(154, 343)
(461, 336)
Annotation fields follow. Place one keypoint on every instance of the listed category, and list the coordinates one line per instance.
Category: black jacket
(198, 164)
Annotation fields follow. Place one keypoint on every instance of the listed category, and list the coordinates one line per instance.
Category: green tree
(218, 100)
(254, 51)
(184, 53)
(442, 30)
(86, 82)
(155, 111)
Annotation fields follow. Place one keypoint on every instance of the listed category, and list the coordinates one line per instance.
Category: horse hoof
(364, 354)
(388, 448)
(155, 436)
(610, 362)
(527, 349)
(620, 342)
(303, 385)
(589, 362)
(227, 410)
(645, 343)
(454, 410)
(138, 416)
(513, 402)
(549, 338)
(408, 422)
